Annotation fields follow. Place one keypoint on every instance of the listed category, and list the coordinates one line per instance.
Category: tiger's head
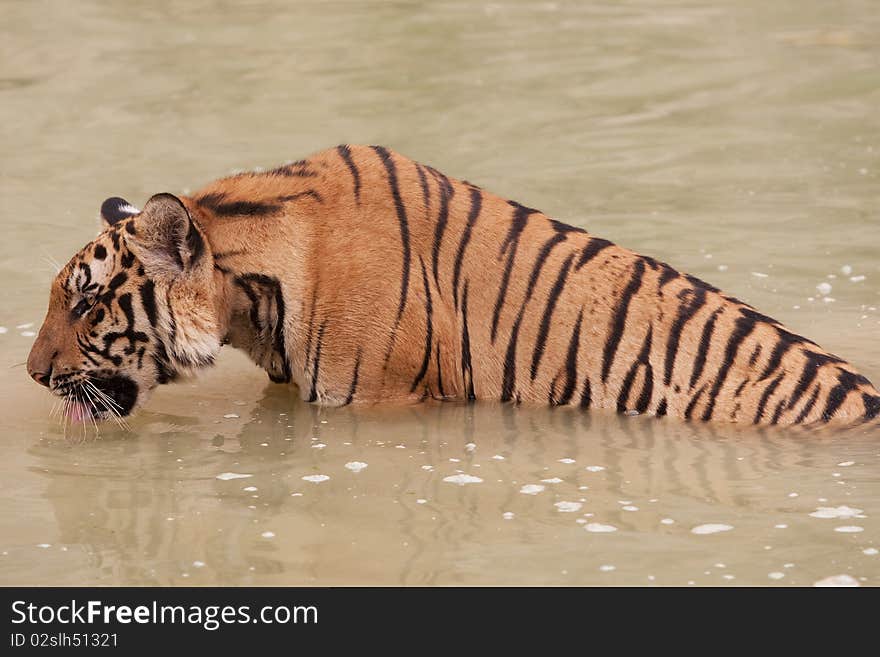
(136, 307)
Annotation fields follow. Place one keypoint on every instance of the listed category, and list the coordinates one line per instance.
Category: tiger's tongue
(78, 412)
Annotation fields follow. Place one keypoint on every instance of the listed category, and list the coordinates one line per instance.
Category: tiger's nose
(40, 360)
(42, 378)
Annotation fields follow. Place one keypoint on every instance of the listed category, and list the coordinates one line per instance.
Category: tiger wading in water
(362, 276)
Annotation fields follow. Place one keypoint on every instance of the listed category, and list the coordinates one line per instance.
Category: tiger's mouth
(97, 398)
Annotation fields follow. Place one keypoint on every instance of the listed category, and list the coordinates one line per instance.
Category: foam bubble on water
(552, 480)
(427, 467)
(531, 489)
(849, 529)
(824, 288)
(780, 526)
(759, 274)
(296, 494)
(44, 545)
(856, 279)
(711, 528)
(838, 580)
(846, 464)
(198, 564)
(250, 489)
(846, 270)
(595, 468)
(226, 476)
(268, 534)
(355, 466)
(421, 501)
(507, 515)
(317, 479)
(728, 577)
(470, 447)
(837, 512)
(607, 568)
(455, 460)
(567, 461)
(24, 326)
(630, 507)
(230, 416)
(498, 457)
(599, 528)
(775, 575)
(3, 330)
(667, 521)
(568, 507)
(27, 334)
(462, 479)
(870, 551)
(792, 494)
(318, 446)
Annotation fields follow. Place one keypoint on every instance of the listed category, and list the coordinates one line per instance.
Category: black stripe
(509, 246)
(585, 394)
(571, 362)
(779, 350)
(778, 412)
(811, 402)
(544, 328)
(705, 343)
(311, 325)
(811, 370)
(693, 402)
(345, 153)
(765, 397)
(294, 170)
(309, 193)
(476, 205)
(743, 328)
(668, 274)
(446, 192)
(618, 323)
(661, 408)
(509, 379)
(354, 379)
(467, 370)
(846, 383)
(756, 353)
(148, 300)
(215, 203)
(388, 161)
(439, 374)
(872, 405)
(313, 393)
(426, 191)
(591, 250)
(429, 330)
(647, 389)
(691, 302)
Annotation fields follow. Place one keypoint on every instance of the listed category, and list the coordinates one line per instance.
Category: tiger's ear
(115, 209)
(165, 238)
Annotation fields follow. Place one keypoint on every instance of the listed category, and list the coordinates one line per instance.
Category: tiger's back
(417, 285)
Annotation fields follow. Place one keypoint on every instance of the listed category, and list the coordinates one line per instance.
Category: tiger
(361, 276)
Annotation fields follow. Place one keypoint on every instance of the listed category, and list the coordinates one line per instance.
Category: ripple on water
(838, 580)
(462, 479)
(711, 528)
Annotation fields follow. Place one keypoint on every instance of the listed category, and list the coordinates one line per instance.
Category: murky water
(739, 141)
